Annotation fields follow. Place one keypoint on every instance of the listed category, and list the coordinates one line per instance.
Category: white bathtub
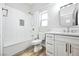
(12, 49)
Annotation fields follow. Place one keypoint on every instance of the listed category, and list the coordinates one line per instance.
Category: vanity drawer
(61, 38)
(50, 48)
(49, 35)
(74, 40)
(49, 53)
(50, 38)
(50, 41)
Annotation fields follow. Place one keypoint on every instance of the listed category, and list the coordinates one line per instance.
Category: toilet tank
(41, 36)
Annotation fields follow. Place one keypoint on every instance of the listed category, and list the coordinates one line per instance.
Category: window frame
(41, 20)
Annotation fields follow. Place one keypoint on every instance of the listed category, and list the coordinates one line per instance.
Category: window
(44, 18)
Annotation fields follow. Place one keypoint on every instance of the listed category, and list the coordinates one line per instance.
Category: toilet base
(37, 48)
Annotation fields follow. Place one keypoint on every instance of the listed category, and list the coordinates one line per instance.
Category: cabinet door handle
(66, 47)
(70, 48)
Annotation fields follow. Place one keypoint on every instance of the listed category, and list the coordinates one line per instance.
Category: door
(61, 48)
(74, 50)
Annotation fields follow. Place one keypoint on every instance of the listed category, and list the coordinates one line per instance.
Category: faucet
(72, 31)
(68, 30)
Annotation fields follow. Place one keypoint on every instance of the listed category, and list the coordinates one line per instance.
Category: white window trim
(46, 11)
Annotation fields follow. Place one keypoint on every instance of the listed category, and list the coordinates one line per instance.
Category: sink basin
(36, 42)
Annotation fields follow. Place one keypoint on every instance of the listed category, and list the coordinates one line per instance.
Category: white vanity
(62, 44)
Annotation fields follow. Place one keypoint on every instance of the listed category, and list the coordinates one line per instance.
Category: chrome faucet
(66, 30)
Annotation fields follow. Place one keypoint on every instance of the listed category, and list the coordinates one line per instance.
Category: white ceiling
(21, 5)
(24, 7)
(27, 6)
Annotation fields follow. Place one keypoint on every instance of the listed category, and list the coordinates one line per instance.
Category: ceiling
(28, 6)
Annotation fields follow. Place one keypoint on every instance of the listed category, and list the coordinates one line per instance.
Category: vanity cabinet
(61, 48)
(66, 45)
(74, 50)
(62, 45)
(50, 44)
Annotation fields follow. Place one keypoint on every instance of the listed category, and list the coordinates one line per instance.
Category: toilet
(37, 45)
(37, 42)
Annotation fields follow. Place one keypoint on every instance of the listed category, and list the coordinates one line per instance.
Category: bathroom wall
(35, 23)
(0, 26)
(53, 16)
(15, 37)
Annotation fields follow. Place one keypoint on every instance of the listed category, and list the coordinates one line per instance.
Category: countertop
(64, 33)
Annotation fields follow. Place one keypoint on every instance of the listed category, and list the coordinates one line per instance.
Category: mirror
(69, 15)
